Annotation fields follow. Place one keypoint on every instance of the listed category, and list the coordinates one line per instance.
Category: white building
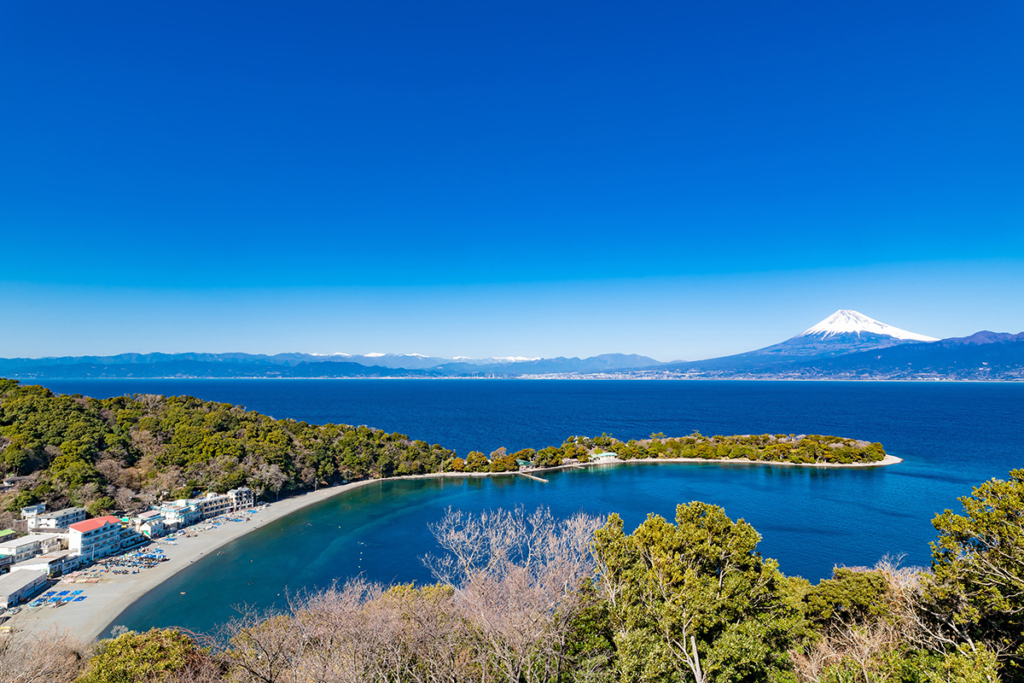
(242, 498)
(21, 549)
(61, 519)
(213, 504)
(95, 538)
(150, 524)
(180, 514)
(33, 511)
(54, 564)
(17, 587)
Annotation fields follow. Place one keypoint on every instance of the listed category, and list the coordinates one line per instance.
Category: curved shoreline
(89, 619)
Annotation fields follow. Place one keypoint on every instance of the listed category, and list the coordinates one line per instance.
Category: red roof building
(96, 523)
(95, 538)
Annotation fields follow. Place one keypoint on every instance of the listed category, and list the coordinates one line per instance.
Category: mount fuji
(841, 333)
(844, 332)
(846, 322)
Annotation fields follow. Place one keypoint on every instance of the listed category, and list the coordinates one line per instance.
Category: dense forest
(126, 452)
(527, 598)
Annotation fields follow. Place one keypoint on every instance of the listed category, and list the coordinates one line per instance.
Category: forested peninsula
(126, 452)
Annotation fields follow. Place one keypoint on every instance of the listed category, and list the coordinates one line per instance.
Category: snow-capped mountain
(841, 333)
(851, 322)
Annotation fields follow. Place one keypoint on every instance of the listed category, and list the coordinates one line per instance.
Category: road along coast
(106, 600)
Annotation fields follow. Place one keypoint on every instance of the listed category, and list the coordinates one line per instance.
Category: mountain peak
(852, 322)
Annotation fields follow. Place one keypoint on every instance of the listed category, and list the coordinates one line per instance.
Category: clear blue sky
(504, 178)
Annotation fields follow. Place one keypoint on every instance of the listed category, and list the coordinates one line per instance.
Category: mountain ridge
(845, 345)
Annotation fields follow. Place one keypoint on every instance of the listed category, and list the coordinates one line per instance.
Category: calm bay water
(952, 436)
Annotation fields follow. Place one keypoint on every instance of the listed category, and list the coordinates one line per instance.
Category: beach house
(17, 587)
(150, 524)
(54, 563)
(20, 549)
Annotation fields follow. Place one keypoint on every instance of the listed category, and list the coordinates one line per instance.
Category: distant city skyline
(465, 179)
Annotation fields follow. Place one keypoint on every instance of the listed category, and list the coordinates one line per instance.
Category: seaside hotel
(87, 540)
(100, 537)
(170, 517)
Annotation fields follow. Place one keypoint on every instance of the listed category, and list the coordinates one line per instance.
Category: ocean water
(952, 437)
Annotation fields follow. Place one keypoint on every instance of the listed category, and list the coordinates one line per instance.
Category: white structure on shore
(21, 549)
(16, 587)
(61, 519)
(213, 505)
(185, 512)
(242, 498)
(603, 457)
(179, 514)
(95, 538)
(150, 524)
(54, 563)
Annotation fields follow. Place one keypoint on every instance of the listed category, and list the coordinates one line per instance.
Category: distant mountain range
(301, 365)
(846, 345)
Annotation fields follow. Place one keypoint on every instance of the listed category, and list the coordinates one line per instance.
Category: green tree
(152, 657)
(100, 506)
(695, 597)
(477, 462)
(976, 590)
(849, 596)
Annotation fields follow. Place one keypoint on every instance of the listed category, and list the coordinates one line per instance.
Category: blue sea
(952, 437)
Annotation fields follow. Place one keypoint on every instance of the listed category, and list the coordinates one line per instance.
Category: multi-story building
(213, 504)
(61, 519)
(20, 549)
(180, 514)
(95, 538)
(150, 524)
(242, 498)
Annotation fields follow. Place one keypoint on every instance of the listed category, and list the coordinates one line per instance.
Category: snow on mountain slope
(852, 322)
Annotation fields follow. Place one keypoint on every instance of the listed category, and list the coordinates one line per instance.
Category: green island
(125, 453)
(519, 596)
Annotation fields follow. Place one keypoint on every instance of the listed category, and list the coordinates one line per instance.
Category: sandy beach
(113, 593)
(88, 619)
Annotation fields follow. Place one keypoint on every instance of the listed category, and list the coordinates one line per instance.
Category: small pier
(530, 476)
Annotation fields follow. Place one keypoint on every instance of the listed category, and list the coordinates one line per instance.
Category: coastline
(87, 620)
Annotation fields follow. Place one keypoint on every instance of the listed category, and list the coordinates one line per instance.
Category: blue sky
(504, 178)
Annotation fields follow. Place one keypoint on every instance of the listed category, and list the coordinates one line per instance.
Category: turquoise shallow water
(952, 436)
